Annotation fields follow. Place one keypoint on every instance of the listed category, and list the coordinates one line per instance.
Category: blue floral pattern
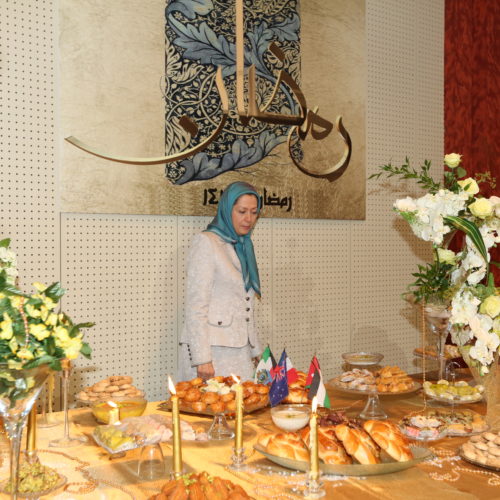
(200, 36)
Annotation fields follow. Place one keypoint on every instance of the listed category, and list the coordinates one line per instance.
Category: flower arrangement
(32, 332)
(461, 281)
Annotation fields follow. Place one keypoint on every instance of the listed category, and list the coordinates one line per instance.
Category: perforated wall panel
(328, 286)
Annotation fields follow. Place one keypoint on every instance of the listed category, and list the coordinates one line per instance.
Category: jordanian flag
(315, 383)
(263, 370)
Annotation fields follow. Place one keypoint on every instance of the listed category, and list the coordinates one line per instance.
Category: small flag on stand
(291, 373)
(315, 383)
(279, 387)
(264, 368)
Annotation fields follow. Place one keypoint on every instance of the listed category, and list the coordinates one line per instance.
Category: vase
(491, 383)
(19, 389)
(437, 317)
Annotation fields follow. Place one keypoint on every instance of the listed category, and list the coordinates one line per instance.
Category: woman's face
(244, 214)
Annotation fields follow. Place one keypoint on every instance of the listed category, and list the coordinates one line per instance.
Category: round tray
(62, 481)
(473, 462)
(452, 433)
(362, 358)
(453, 401)
(167, 406)
(420, 454)
(416, 387)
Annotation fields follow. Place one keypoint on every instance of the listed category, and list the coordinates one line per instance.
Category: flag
(279, 387)
(263, 370)
(315, 383)
(291, 372)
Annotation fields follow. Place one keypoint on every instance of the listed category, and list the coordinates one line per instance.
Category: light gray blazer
(218, 310)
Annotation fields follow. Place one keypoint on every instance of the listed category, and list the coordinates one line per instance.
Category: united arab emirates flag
(315, 383)
(263, 370)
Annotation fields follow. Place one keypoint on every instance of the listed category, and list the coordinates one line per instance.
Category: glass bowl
(291, 417)
(128, 407)
(362, 358)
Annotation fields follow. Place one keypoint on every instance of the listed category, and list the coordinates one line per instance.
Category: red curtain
(471, 89)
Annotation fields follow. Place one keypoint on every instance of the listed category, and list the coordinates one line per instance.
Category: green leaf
(43, 360)
(460, 172)
(472, 231)
(5, 243)
(495, 263)
(86, 350)
(55, 292)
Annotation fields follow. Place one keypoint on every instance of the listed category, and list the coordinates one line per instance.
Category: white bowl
(291, 417)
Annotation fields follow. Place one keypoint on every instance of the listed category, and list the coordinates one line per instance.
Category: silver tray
(420, 454)
(473, 462)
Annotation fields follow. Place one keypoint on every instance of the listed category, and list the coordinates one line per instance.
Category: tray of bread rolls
(389, 380)
(349, 448)
(216, 396)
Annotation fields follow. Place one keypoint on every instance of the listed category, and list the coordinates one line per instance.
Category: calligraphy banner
(320, 45)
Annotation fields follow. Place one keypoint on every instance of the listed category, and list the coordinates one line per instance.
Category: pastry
(358, 443)
(115, 386)
(287, 445)
(460, 391)
(484, 448)
(297, 392)
(423, 427)
(357, 379)
(330, 449)
(388, 436)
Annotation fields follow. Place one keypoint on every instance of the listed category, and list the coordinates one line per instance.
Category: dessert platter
(423, 427)
(483, 450)
(362, 358)
(200, 486)
(216, 396)
(387, 380)
(136, 432)
(430, 352)
(115, 386)
(460, 392)
(345, 447)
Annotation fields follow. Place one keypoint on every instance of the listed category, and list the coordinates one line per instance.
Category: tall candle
(114, 413)
(176, 429)
(313, 425)
(238, 436)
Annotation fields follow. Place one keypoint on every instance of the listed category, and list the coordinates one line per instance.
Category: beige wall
(329, 286)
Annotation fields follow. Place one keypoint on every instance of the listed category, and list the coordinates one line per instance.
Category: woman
(219, 336)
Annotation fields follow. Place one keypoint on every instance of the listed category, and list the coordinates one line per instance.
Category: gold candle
(238, 435)
(176, 428)
(313, 439)
(31, 431)
(114, 413)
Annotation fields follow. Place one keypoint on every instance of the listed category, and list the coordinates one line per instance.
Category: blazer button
(248, 309)
(248, 298)
(219, 323)
(248, 319)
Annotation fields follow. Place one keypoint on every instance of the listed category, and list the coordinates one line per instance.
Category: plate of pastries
(201, 486)
(297, 392)
(115, 386)
(483, 450)
(217, 396)
(387, 380)
(345, 446)
(460, 392)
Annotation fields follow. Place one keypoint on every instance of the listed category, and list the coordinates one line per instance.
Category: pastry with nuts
(115, 386)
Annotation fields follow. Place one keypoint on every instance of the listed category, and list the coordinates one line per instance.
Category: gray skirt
(226, 360)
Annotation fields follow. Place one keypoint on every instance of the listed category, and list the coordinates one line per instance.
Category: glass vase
(491, 383)
(437, 317)
(18, 392)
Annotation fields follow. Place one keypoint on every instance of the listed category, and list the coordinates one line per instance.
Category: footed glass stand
(219, 428)
(373, 409)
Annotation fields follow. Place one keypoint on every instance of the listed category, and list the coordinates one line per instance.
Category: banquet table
(92, 474)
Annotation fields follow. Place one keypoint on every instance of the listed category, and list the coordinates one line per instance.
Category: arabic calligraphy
(304, 122)
(211, 196)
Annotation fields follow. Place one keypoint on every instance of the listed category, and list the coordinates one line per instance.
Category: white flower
(452, 160)
(405, 205)
(469, 186)
(463, 307)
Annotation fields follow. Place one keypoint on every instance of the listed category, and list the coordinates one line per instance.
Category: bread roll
(358, 444)
(388, 436)
(288, 445)
(330, 449)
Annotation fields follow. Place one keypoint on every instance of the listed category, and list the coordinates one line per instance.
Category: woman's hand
(206, 370)
(256, 361)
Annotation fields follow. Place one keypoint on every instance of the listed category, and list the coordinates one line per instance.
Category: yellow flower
(16, 301)
(446, 256)
(496, 326)
(51, 320)
(481, 208)
(49, 303)
(39, 286)
(469, 185)
(72, 348)
(452, 160)
(39, 331)
(24, 353)
(44, 313)
(490, 306)
(61, 335)
(13, 345)
(32, 311)
(6, 331)
(14, 365)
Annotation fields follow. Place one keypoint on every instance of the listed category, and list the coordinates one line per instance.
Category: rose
(446, 256)
(481, 208)
(495, 201)
(469, 185)
(490, 306)
(452, 160)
